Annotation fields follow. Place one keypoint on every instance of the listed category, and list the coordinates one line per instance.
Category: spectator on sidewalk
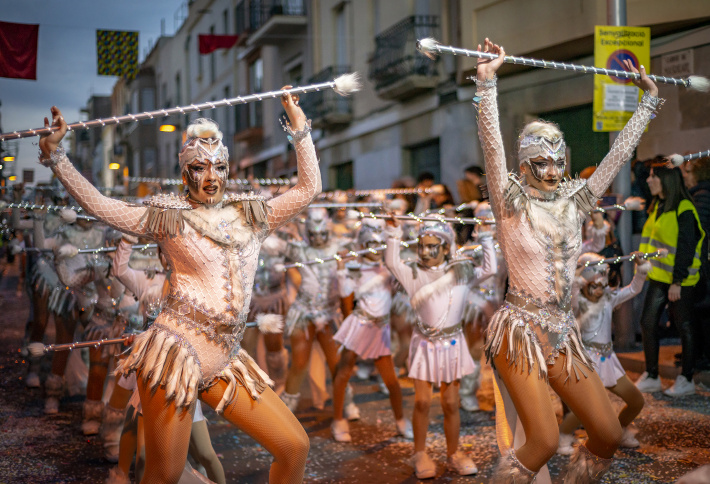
(673, 224)
(696, 176)
(469, 188)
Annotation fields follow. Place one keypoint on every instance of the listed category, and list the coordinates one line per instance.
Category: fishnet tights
(202, 451)
(271, 424)
(624, 389)
(586, 397)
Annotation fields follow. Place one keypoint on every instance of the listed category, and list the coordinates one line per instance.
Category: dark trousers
(680, 313)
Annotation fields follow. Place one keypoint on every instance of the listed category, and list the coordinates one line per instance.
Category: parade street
(35, 448)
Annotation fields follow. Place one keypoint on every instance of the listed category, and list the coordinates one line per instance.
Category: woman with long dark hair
(672, 224)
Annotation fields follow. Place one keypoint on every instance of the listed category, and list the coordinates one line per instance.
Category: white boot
(341, 430)
(565, 446)
(54, 390)
(32, 378)
(628, 440)
(467, 393)
(291, 401)
(277, 367)
(404, 428)
(91, 420)
(111, 427)
(351, 411)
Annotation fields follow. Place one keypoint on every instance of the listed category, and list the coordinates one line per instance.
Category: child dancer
(366, 331)
(438, 288)
(593, 308)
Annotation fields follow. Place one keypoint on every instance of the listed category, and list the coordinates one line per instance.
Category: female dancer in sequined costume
(192, 350)
(533, 338)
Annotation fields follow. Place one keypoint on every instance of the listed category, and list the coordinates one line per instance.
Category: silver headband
(534, 146)
(209, 149)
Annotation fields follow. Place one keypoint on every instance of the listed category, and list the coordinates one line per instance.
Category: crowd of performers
(514, 290)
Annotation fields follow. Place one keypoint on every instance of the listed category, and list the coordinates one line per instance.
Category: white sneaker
(565, 447)
(382, 386)
(462, 464)
(364, 370)
(341, 430)
(351, 412)
(404, 428)
(628, 440)
(647, 384)
(32, 380)
(469, 403)
(291, 400)
(681, 387)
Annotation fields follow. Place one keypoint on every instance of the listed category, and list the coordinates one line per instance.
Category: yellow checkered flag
(117, 53)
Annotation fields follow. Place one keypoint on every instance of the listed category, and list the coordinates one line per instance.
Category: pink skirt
(608, 367)
(441, 360)
(366, 339)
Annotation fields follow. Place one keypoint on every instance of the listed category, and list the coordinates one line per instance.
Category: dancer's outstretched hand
(294, 112)
(49, 142)
(645, 84)
(487, 68)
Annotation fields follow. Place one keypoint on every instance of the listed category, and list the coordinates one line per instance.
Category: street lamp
(8, 158)
(114, 166)
(12, 178)
(167, 128)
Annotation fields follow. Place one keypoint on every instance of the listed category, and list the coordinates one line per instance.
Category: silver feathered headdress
(204, 141)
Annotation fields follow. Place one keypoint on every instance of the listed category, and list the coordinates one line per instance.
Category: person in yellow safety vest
(673, 224)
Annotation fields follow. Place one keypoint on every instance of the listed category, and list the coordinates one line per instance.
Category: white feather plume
(203, 128)
(427, 46)
(35, 349)
(270, 323)
(676, 159)
(699, 83)
(347, 84)
(67, 215)
(67, 251)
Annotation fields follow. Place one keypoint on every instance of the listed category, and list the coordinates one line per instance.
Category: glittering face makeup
(206, 181)
(544, 161)
(431, 251)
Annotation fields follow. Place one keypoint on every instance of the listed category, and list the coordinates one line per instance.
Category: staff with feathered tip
(677, 160)
(431, 48)
(343, 85)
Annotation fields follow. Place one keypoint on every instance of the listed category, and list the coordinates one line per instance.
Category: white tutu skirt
(367, 340)
(609, 368)
(442, 360)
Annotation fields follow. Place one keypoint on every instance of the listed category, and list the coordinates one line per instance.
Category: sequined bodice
(319, 282)
(212, 277)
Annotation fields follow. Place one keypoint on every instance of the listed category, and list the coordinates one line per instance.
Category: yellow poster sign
(615, 99)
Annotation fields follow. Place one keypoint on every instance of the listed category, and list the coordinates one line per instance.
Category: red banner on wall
(210, 43)
(18, 50)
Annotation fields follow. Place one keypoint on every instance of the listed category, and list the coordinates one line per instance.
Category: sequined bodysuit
(540, 236)
(213, 252)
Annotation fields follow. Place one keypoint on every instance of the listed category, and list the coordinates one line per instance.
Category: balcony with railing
(326, 108)
(270, 22)
(396, 68)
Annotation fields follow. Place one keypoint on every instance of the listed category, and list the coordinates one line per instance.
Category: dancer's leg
(249, 341)
(140, 448)
(588, 399)
(98, 369)
(385, 367)
(203, 452)
(330, 349)
(301, 343)
(64, 328)
(633, 398)
(269, 422)
(167, 436)
(340, 382)
(570, 423)
(273, 341)
(129, 441)
(404, 331)
(449, 396)
(420, 415)
(531, 397)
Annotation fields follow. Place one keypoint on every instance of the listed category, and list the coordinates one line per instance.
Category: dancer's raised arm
(625, 144)
(116, 213)
(489, 126)
(288, 205)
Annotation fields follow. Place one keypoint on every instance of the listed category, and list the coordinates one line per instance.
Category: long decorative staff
(377, 191)
(631, 204)
(430, 48)
(433, 218)
(345, 205)
(98, 250)
(350, 255)
(343, 85)
(231, 181)
(616, 260)
(677, 160)
(35, 206)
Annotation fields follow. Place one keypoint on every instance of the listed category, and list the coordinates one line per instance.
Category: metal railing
(253, 14)
(320, 104)
(396, 56)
